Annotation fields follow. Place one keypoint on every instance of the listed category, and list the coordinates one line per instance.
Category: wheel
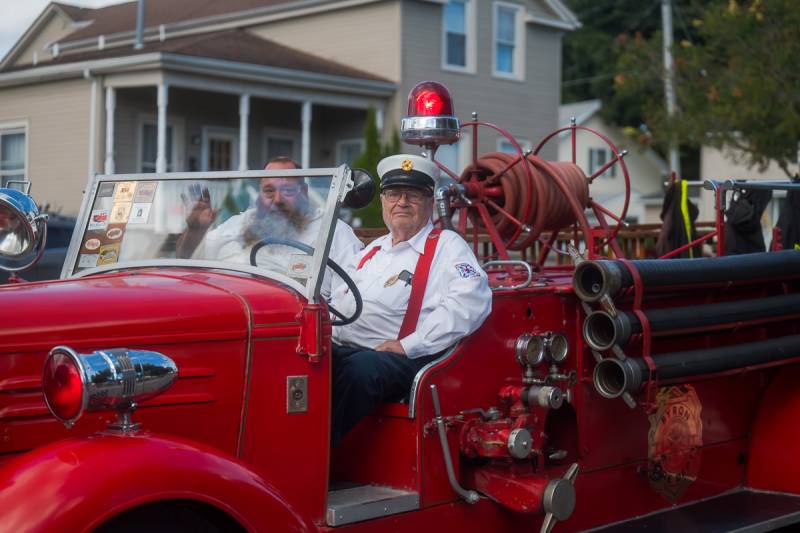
(609, 231)
(343, 320)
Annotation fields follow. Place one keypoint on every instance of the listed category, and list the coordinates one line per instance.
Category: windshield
(276, 221)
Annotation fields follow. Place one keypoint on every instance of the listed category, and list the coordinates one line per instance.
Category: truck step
(364, 502)
(742, 511)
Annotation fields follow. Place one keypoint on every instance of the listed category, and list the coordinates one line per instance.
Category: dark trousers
(363, 379)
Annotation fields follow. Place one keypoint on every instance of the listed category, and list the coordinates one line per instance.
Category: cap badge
(406, 165)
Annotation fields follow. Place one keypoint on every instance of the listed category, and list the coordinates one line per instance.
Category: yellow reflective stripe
(687, 224)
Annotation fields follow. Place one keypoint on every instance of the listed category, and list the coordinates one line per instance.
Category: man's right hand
(200, 215)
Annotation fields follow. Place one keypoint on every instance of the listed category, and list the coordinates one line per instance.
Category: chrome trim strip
(412, 404)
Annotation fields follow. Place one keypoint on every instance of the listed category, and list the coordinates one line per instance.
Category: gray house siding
(528, 109)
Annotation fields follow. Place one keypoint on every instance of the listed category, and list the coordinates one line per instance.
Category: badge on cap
(407, 165)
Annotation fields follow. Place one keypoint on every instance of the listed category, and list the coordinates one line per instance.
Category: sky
(17, 15)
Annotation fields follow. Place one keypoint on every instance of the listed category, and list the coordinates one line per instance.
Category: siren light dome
(428, 99)
(430, 117)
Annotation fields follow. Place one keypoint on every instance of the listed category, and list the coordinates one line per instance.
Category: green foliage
(373, 152)
(736, 83)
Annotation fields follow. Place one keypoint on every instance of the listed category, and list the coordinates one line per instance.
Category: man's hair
(283, 159)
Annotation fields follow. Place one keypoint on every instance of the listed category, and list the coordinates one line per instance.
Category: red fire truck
(145, 392)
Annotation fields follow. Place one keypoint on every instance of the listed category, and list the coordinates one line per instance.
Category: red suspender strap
(418, 283)
(367, 257)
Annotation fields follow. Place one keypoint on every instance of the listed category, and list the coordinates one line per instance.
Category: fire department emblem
(406, 165)
(676, 434)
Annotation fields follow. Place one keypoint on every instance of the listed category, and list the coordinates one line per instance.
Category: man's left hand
(390, 346)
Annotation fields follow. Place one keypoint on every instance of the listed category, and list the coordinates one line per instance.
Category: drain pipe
(139, 26)
(470, 496)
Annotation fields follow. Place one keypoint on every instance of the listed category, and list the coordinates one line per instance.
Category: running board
(365, 502)
(742, 511)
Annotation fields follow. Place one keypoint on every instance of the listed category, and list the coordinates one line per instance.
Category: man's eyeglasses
(413, 196)
(289, 191)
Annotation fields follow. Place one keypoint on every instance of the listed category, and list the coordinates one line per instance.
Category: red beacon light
(118, 379)
(430, 118)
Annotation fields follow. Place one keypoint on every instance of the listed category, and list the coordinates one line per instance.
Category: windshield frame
(341, 183)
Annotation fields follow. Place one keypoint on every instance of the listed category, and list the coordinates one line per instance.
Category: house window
(150, 147)
(12, 154)
(599, 157)
(508, 44)
(458, 29)
(347, 151)
(504, 145)
(220, 149)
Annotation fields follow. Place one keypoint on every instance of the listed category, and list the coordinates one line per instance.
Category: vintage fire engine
(151, 393)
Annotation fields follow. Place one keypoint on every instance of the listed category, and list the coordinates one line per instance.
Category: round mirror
(363, 190)
(21, 230)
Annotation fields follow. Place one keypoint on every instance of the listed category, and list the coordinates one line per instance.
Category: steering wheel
(343, 320)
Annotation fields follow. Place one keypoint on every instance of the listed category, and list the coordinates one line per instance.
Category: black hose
(594, 279)
(601, 331)
(613, 377)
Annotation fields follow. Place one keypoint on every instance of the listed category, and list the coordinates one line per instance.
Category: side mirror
(22, 230)
(363, 190)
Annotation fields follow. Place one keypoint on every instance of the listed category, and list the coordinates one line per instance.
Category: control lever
(470, 496)
(559, 499)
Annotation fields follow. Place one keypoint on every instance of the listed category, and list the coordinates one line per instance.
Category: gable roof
(119, 18)
(582, 111)
(233, 45)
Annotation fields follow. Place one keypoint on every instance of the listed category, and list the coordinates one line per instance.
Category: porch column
(244, 120)
(305, 145)
(161, 154)
(379, 120)
(111, 104)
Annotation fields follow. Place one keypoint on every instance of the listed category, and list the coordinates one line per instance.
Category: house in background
(647, 170)
(227, 85)
(723, 164)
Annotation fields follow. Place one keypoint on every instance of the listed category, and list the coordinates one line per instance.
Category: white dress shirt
(457, 297)
(226, 243)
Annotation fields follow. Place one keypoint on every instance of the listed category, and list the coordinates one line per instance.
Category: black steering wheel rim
(343, 320)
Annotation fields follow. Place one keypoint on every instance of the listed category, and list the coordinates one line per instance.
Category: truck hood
(140, 307)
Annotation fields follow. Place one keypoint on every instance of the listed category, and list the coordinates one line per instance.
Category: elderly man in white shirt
(423, 290)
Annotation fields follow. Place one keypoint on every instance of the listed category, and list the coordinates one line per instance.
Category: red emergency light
(430, 119)
(118, 379)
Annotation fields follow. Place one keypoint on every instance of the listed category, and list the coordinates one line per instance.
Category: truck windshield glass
(210, 218)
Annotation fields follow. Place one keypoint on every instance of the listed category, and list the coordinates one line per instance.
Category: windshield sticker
(87, 260)
(115, 231)
(145, 192)
(98, 220)
(120, 213)
(125, 191)
(109, 253)
(92, 244)
(105, 190)
(139, 214)
(300, 266)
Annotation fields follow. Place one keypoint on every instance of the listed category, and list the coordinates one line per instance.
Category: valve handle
(559, 499)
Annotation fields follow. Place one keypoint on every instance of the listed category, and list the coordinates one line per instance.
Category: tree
(370, 215)
(736, 84)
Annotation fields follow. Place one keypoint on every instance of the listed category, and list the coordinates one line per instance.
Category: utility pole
(669, 81)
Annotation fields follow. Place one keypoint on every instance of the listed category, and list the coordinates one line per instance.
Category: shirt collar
(417, 242)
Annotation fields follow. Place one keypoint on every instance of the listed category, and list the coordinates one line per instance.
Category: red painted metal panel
(775, 447)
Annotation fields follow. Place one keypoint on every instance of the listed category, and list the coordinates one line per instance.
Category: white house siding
(527, 109)
(57, 114)
(366, 37)
(57, 26)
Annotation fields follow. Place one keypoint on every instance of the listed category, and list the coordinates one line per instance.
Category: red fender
(774, 460)
(77, 484)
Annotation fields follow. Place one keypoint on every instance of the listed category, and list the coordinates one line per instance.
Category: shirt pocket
(392, 297)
